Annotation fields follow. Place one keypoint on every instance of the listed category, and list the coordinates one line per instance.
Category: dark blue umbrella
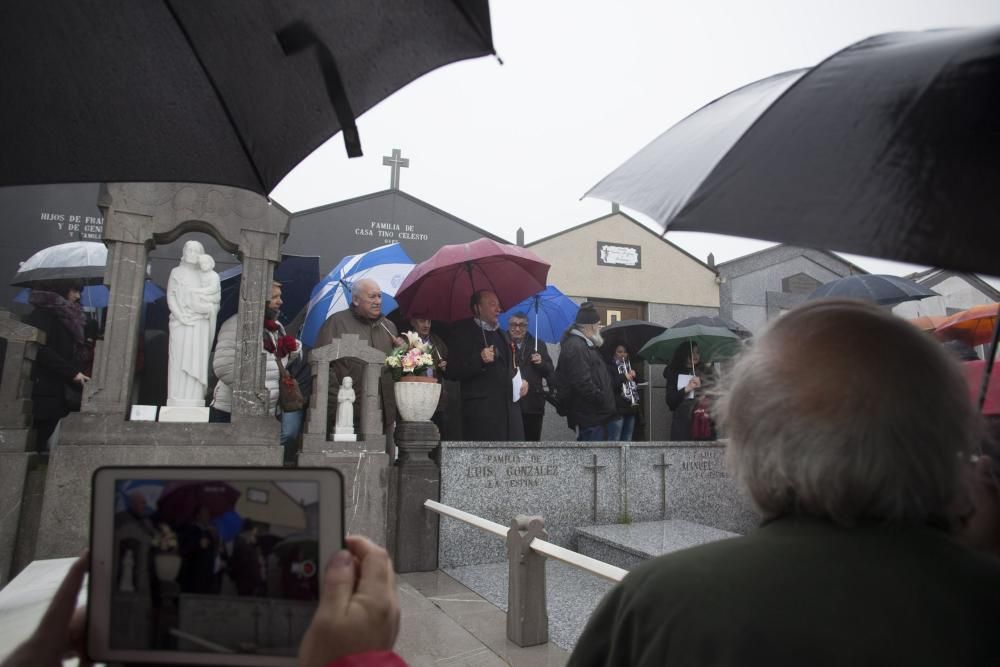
(550, 312)
(96, 296)
(883, 290)
(296, 274)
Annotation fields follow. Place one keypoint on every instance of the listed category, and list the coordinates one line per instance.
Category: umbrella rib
(218, 95)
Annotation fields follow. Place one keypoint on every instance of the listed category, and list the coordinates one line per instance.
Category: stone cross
(593, 466)
(396, 161)
(663, 465)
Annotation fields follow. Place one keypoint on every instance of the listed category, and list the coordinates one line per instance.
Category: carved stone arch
(188, 226)
(137, 216)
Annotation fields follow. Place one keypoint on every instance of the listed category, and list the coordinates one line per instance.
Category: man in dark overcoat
(482, 360)
(532, 357)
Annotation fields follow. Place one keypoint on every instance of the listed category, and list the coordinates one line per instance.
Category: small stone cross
(663, 465)
(397, 162)
(593, 466)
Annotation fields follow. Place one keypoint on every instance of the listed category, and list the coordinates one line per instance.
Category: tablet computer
(208, 566)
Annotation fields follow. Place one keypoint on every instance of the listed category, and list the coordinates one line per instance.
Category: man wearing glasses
(532, 357)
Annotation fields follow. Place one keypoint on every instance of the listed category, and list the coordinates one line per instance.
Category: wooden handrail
(592, 565)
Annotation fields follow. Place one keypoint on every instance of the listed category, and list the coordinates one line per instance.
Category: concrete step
(628, 545)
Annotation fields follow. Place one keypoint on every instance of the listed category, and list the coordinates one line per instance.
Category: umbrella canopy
(716, 321)
(714, 344)
(77, 260)
(440, 287)
(927, 322)
(973, 326)
(883, 290)
(234, 93)
(633, 334)
(550, 312)
(181, 499)
(888, 148)
(387, 265)
(97, 296)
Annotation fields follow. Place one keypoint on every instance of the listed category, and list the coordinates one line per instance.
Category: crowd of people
(877, 483)
(596, 389)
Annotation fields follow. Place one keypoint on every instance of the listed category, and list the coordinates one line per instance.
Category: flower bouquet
(413, 359)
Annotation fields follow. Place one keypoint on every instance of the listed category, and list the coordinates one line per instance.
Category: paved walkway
(444, 624)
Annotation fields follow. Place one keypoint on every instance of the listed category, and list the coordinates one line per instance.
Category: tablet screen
(213, 566)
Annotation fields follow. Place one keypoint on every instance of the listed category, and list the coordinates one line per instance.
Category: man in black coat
(481, 359)
(533, 359)
(584, 375)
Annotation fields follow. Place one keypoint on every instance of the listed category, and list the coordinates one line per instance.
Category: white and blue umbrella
(387, 266)
(550, 312)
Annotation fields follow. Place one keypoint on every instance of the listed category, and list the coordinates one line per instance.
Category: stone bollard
(527, 616)
(415, 534)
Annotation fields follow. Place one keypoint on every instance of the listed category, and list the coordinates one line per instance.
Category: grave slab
(628, 545)
(686, 480)
(568, 483)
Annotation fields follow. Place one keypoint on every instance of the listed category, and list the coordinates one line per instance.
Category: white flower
(392, 362)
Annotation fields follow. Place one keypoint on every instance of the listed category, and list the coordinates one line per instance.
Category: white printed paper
(516, 383)
(682, 381)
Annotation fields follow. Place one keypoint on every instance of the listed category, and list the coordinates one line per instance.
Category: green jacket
(801, 591)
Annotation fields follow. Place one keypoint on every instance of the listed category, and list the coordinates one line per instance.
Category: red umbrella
(181, 499)
(440, 288)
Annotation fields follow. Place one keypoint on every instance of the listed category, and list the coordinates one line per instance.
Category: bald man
(365, 319)
(850, 430)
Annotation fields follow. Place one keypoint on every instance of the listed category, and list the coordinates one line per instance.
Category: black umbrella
(889, 148)
(633, 334)
(883, 290)
(233, 93)
(716, 321)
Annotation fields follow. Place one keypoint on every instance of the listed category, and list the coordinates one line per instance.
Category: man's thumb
(338, 581)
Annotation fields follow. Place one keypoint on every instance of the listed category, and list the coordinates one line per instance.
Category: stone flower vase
(417, 397)
(167, 566)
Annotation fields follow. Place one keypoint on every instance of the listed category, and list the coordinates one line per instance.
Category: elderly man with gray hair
(364, 318)
(850, 430)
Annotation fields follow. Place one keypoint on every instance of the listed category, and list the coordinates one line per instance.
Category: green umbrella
(714, 344)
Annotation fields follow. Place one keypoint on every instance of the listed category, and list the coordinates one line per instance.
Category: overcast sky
(584, 85)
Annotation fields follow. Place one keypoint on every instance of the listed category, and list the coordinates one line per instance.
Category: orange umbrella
(928, 322)
(973, 326)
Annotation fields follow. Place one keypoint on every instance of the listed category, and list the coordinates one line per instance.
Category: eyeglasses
(518, 325)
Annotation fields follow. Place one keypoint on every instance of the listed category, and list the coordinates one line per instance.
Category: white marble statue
(345, 407)
(193, 295)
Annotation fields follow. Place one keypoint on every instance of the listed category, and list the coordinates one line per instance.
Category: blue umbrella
(96, 296)
(387, 266)
(550, 312)
(297, 275)
(228, 525)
